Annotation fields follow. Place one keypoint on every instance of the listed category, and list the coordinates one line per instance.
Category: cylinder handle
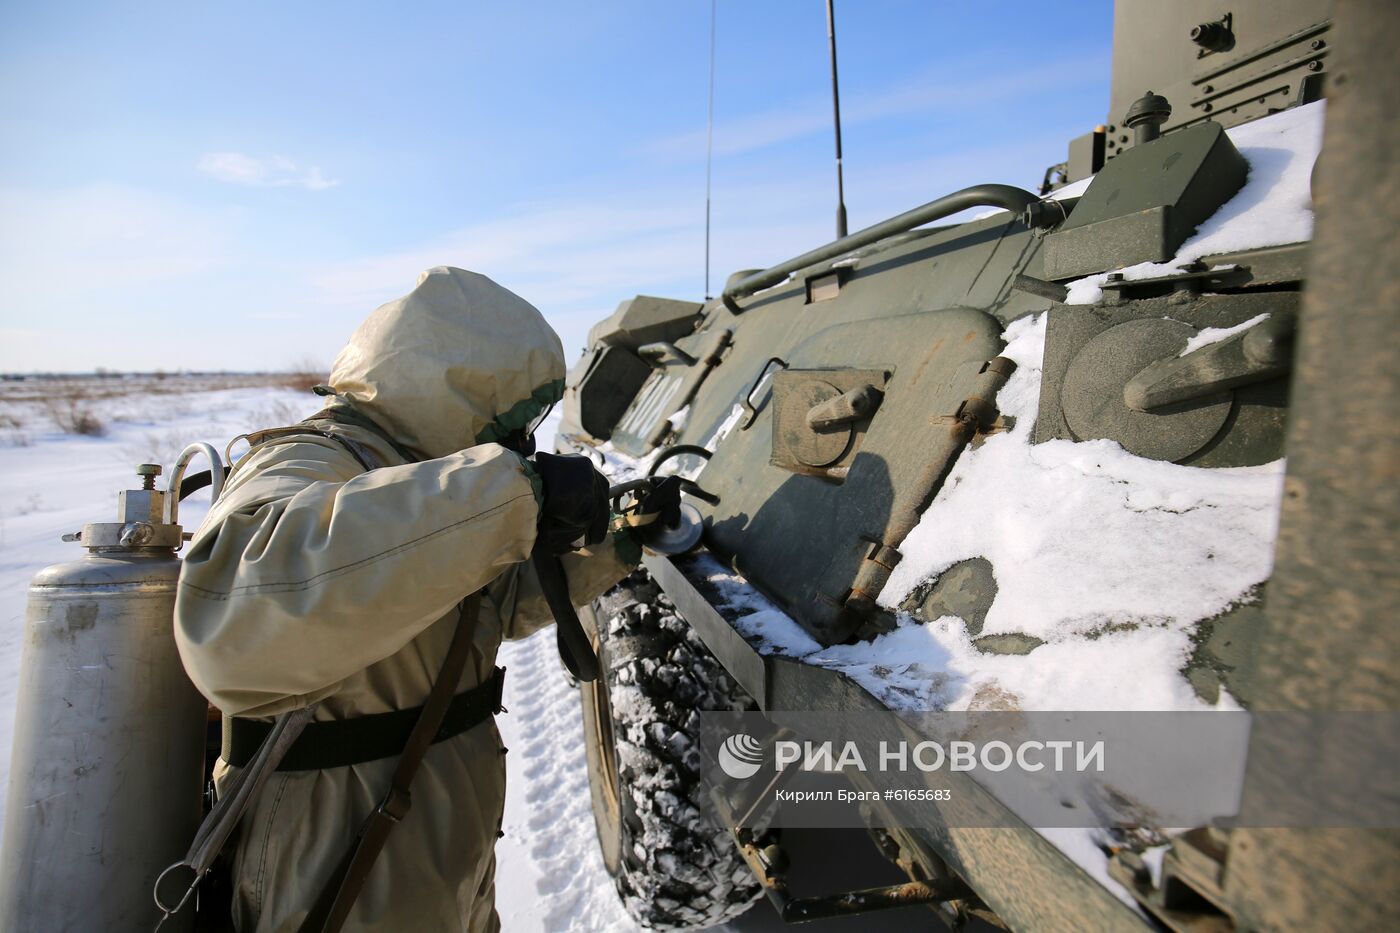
(177, 476)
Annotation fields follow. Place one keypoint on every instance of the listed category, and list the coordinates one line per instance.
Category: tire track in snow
(553, 878)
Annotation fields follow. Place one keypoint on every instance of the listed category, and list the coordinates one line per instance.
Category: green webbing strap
(341, 742)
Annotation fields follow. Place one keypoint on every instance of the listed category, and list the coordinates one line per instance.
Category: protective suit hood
(458, 361)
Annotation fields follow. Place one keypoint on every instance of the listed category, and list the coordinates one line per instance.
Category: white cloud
(236, 168)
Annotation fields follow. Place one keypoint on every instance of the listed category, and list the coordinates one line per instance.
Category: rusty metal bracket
(980, 408)
(874, 572)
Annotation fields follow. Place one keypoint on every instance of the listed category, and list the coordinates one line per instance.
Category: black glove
(663, 500)
(575, 502)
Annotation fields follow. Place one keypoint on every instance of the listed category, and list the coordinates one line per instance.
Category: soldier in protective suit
(317, 580)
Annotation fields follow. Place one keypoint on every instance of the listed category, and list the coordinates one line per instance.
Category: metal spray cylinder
(106, 770)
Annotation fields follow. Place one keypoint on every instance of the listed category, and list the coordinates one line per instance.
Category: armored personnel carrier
(1126, 442)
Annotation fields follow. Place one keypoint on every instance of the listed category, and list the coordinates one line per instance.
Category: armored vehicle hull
(897, 437)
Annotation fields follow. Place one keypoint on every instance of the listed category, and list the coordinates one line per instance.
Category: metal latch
(845, 408)
(1264, 351)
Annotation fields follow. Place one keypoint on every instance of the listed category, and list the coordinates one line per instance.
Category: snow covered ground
(549, 873)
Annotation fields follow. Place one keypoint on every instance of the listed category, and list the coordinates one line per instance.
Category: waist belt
(342, 742)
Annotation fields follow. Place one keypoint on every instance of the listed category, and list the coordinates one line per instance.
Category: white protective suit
(315, 581)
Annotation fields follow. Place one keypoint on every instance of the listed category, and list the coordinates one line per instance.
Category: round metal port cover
(1092, 394)
(807, 446)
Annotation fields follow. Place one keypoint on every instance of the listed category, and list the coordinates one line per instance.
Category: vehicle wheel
(674, 868)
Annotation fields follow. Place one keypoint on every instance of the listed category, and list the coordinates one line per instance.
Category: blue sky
(236, 185)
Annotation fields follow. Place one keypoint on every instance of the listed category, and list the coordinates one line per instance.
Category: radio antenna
(709, 147)
(836, 113)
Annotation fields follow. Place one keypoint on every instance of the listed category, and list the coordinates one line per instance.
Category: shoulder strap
(365, 457)
(338, 895)
(337, 413)
(575, 649)
(213, 834)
